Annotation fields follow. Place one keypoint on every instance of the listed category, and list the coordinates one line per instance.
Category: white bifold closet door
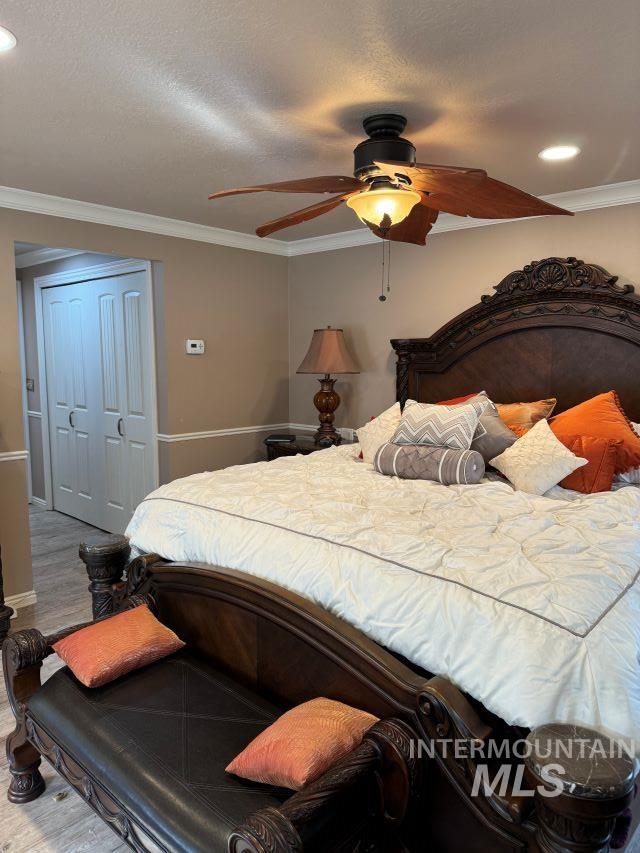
(98, 384)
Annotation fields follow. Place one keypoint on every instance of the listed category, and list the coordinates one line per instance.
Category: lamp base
(326, 401)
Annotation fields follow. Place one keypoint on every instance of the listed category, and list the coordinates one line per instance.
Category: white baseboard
(22, 599)
(39, 501)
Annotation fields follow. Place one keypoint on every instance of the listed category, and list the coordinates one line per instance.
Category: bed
(529, 606)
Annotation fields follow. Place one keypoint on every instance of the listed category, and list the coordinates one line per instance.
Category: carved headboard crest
(557, 274)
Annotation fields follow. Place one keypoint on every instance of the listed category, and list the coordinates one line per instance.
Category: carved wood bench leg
(105, 557)
(583, 782)
(24, 760)
(22, 655)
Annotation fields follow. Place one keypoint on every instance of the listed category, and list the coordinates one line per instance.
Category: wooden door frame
(23, 383)
(77, 276)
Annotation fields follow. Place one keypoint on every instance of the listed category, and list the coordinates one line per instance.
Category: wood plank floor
(58, 821)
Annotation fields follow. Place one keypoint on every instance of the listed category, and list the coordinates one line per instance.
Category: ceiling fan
(397, 198)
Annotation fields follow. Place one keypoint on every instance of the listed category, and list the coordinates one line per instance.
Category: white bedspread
(530, 604)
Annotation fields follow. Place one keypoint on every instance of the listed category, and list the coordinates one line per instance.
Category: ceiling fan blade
(301, 215)
(493, 199)
(471, 192)
(414, 228)
(323, 184)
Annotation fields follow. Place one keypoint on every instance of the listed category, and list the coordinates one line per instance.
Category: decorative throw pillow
(440, 464)
(492, 435)
(602, 417)
(597, 476)
(439, 426)
(525, 414)
(378, 430)
(109, 649)
(631, 477)
(518, 431)
(537, 461)
(302, 744)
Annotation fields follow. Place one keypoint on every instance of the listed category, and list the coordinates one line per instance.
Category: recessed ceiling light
(7, 39)
(559, 152)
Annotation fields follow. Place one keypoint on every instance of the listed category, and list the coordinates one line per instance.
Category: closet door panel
(72, 401)
(136, 378)
(111, 362)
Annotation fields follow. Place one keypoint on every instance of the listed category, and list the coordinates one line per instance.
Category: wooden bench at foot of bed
(289, 650)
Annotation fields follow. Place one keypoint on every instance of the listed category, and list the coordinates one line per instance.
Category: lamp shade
(328, 353)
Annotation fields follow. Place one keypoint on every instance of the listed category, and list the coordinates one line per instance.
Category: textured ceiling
(152, 105)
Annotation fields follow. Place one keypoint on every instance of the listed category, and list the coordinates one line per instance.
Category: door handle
(71, 423)
(120, 423)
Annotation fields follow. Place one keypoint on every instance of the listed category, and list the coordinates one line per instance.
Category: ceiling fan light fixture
(384, 207)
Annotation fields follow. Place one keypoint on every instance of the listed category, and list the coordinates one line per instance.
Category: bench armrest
(383, 762)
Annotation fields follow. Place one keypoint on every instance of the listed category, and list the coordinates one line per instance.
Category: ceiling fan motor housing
(384, 143)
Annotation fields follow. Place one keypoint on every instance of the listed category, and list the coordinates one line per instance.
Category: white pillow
(537, 461)
(378, 431)
(631, 477)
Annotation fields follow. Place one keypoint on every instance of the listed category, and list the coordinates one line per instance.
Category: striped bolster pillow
(420, 462)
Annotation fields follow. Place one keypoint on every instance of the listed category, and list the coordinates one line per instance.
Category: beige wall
(235, 299)
(429, 286)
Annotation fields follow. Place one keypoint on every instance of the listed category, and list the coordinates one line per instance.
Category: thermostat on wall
(195, 347)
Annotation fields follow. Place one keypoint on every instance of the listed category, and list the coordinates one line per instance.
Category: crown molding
(592, 198)
(84, 211)
(43, 256)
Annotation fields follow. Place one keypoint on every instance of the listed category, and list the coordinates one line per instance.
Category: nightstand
(304, 444)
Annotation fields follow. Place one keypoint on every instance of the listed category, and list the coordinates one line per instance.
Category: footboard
(483, 786)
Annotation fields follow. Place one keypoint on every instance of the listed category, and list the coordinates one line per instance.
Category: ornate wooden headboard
(557, 328)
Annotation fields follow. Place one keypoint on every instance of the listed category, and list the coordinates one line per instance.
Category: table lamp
(327, 354)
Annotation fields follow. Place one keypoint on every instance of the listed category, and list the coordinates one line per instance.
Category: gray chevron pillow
(440, 464)
(438, 426)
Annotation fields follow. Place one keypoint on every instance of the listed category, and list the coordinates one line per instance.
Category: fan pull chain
(389, 266)
(386, 251)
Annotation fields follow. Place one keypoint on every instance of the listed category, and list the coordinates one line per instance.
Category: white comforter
(530, 604)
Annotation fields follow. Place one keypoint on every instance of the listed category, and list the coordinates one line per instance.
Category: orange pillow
(106, 650)
(525, 414)
(518, 430)
(302, 744)
(602, 417)
(597, 476)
